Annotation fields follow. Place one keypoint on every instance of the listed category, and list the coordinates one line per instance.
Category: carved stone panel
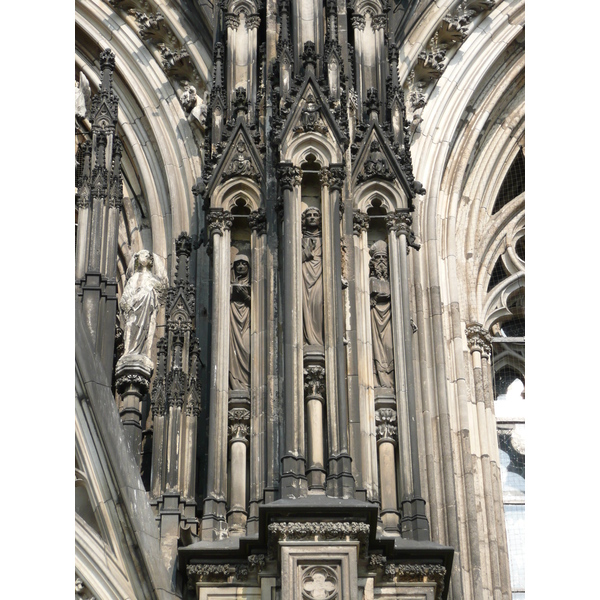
(319, 571)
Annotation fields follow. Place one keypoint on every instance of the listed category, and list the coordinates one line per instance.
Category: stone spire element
(98, 202)
(175, 403)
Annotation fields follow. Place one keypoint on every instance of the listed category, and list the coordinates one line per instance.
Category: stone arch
(390, 196)
(161, 160)
(226, 195)
(297, 151)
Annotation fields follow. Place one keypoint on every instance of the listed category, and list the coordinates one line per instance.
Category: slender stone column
(340, 479)
(239, 429)
(252, 23)
(396, 283)
(385, 418)
(214, 524)
(293, 478)
(496, 478)
(258, 376)
(413, 505)
(478, 340)
(83, 213)
(364, 352)
(314, 389)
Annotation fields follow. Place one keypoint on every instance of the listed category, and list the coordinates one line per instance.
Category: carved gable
(241, 159)
(310, 113)
(376, 160)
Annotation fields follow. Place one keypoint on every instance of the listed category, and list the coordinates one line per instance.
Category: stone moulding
(317, 532)
(401, 573)
(226, 572)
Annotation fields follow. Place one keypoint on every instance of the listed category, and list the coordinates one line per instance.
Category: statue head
(240, 266)
(379, 259)
(311, 219)
(143, 260)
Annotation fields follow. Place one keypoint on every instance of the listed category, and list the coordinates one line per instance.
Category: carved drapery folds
(239, 345)
(144, 291)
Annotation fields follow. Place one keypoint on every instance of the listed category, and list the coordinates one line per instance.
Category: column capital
(218, 220)
(257, 220)
(385, 421)
(289, 175)
(359, 22)
(239, 425)
(360, 221)
(478, 338)
(314, 383)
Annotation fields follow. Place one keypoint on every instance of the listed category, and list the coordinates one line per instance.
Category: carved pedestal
(319, 570)
(132, 375)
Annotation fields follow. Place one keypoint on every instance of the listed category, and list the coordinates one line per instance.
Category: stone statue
(194, 106)
(239, 347)
(83, 97)
(144, 291)
(312, 278)
(381, 316)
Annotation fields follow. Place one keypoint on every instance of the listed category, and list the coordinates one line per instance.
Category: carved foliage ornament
(314, 382)
(239, 424)
(321, 531)
(218, 220)
(478, 338)
(289, 176)
(257, 220)
(385, 419)
(360, 222)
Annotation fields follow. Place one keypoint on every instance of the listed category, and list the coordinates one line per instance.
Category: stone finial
(309, 56)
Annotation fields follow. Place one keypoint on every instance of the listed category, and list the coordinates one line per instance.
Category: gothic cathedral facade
(300, 253)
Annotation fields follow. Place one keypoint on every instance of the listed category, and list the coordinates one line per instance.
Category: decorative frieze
(319, 531)
(398, 572)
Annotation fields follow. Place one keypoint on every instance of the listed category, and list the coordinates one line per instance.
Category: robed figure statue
(381, 316)
(312, 278)
(144, 291)
(239, 347)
